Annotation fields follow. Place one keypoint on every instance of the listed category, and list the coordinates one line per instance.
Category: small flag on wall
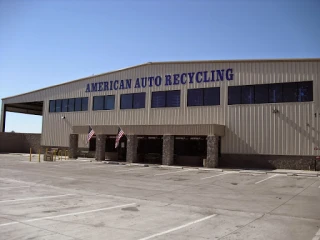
(90, 134)
(120, 134)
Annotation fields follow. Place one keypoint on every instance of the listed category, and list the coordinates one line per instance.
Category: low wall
(269, 162)
(19, 142)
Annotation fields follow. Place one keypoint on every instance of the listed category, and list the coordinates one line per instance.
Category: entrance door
(122, 149)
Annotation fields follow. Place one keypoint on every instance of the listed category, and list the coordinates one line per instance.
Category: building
(246, 113)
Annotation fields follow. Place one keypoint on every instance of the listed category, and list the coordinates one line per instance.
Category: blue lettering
(205, 78)
(150, 81)
(183, 81)
(94, 87)
(158, 81)
(137, 85)
(88, 88)
(191, 77)
(168, 80)
(106, 87)
(144, 82)
(229, 74)
(121, 84)
(116, 82)
(212, 74)
(220, 74)
(128, 83)
(176, 79)
(197, 77)
(100, 86)
(111, 85)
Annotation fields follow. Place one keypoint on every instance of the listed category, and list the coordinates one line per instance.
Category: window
(195, 97)
(98, 102)
(165, 99)
(139, 100)
(109, 102)
(126, 101)
(234, 95)
(204, 97)
(133, 101)
(103, 102)
(64, 105)
(173, 99)
(52, 106)
(84, 104)
(271, 93)
(158, 99)
(261, 93)
(71, 105)
(78, 104)
(58, 105)
(305, 92)
(275, 93)
(68, 105)
(247, 94)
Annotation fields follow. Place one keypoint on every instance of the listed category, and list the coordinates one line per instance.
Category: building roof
(175, 62)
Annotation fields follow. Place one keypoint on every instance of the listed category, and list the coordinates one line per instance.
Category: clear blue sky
(46, 42)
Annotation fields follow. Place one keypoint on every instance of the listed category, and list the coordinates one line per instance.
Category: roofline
(176, 62)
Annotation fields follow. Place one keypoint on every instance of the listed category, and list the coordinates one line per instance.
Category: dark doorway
(190, 150)
(150, 149)
(116, 154)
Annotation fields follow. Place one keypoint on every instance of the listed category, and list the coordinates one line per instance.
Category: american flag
(90, 134)
(120, 134)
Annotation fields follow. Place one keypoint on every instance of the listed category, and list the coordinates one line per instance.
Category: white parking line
(317, 236)
(13, 187)
(267, 178)
(28, 199)
(216, 175)
(68, 214)
(160, 174)
(127, 170)
(177, 228)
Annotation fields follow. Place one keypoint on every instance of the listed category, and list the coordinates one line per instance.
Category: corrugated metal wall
(249, 128)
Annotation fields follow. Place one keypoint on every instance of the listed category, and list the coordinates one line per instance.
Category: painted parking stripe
(4, 188)
(216, 175)
(267, 178)
(69, 214)
(127, 170)
(180, 227)
(160, 174)
(35, 198)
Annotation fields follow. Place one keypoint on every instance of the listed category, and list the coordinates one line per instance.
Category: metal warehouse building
(246, 113)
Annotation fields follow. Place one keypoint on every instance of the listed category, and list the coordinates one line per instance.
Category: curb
(252, 172)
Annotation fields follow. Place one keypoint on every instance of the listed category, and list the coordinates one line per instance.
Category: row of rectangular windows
(250, 94)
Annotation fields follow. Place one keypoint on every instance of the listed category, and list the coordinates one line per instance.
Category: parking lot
(93, 200)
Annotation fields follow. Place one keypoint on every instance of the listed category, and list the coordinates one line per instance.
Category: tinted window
(64, 105)
(126, 101)
(247, 94)
(158, 99)
(58, 105)
(77, 104)
(109, 102)
(289, 92)
(211, 96)
(98, 102)
(84, 104)
(305, 92)
(52, 106)
(195, 97)
(234, 95)
(71, 105)
(173, 99)
(139, 100)
(261, 93)
(275, 93)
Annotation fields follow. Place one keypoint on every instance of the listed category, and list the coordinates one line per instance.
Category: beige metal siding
(249, 128)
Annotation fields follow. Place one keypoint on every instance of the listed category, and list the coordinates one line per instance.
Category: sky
(47, 42)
